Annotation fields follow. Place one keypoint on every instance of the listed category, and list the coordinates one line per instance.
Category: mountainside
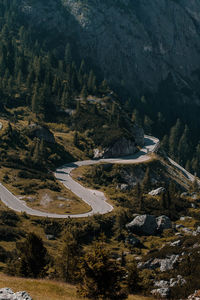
(133, 43)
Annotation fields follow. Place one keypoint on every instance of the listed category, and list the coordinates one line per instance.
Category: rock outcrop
(40, 132)
(149, 225)
(122, 147)
(143, 224)
(8, 294)
(157, 191)
(161, 292)
(163, 222)
(142, 41)
(165, 264)
(163, 287)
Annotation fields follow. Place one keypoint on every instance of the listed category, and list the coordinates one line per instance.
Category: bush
(9, 218)
(10, 234)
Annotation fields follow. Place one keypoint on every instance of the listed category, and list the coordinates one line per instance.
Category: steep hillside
(148, 51)
(137, 42)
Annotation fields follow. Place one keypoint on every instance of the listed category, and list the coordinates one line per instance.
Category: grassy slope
(55, 205)
(46, 289)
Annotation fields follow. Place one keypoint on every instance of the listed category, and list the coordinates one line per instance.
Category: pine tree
(76, 139)
(68, 265)
(184, 146)
(146, 182)
(133, 277)
(101, 276)
(84, 93)
(31, 258)
(68, 55)
(174, 138)
(36, 153)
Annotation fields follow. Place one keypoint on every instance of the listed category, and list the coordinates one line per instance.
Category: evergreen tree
(174, 138)
(31, 258)
(69, 262)
(101, 276)
(133, 277)
(146, 182)
(184, 146)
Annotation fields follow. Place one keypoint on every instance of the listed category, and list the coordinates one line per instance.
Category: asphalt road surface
(95, 199)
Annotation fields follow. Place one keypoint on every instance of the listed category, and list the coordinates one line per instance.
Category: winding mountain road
(95, 199)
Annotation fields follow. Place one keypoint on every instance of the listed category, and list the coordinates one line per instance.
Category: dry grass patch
(41, 198)
(47, 289)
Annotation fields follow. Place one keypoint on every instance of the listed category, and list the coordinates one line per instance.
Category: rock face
(164, 264)
(163, 222)
(8, 294)
(163, 286)
(143, 41)
(162, 292)
(122, 147)
(168, 263)
(149, 225)
(143, 224)
(158, 191)
(41, 133)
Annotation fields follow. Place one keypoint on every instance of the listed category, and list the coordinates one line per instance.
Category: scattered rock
(193, 205)
(195, 296)
(162, 292)
(168, 263)
(123, 187)
(143, 224)
(161, 284)
(50, 237)
(148, 224)
(8, 294)
(187, 230)
(179, 281)
(158, 191)
(164, 264)
(176, 243)
(163, 222)
(198, 230)
(163, 287)
(185, 218)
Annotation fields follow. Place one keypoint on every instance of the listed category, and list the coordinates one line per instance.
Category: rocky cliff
(134, 43)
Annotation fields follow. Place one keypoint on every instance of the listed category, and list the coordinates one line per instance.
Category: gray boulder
(168, 263)
(123, 187)
(8, 294)
(143, 224)
(162, 292)
(158, 191)
(179, 281)
(161, 284)
(151, 264)
(163, 222)
(198, 230)
(176, 243)
(164, 264)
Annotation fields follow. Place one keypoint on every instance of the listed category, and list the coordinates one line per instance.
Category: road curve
(95, 199)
